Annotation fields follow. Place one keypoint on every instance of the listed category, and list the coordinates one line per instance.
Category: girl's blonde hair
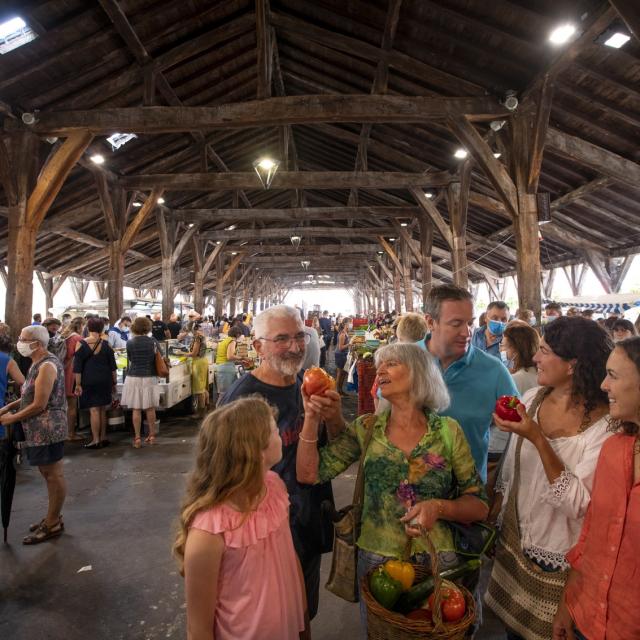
(228, 462)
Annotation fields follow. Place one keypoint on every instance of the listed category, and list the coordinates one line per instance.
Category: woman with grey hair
(418, 468)
(42, 410)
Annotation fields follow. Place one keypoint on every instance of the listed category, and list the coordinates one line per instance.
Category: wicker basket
(383, 624)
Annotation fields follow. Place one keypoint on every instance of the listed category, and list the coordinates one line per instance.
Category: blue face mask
(496, 327)
(508, 362)
(551, 319)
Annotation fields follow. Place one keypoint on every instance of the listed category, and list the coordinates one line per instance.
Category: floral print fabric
(393, 482)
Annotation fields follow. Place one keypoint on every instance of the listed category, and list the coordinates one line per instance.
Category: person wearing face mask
(488, 336)
(547, 476)
(552, 312)
(280, 342)
(119, 333)
(602, 592)
(42, 411)
(519, 345)
(57, 345)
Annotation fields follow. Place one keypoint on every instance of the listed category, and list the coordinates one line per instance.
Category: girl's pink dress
(259, 586)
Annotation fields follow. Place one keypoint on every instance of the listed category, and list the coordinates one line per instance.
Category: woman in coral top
(234, 546)
(602, 594)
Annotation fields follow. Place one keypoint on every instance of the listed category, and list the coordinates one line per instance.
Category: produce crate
(366, 376)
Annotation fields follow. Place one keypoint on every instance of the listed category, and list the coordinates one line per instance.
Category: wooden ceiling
(113, 54)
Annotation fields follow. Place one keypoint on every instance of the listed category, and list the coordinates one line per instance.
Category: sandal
(93, 445)
(36, 526)
(150, 439)
(43, 533)
(137, 442)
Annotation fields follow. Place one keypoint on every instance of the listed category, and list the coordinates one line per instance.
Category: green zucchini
(415, 597)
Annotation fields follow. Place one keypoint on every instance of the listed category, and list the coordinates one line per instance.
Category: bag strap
(358, 494)
(531, 413)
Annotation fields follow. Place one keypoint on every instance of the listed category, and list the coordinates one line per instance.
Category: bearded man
(280, 341)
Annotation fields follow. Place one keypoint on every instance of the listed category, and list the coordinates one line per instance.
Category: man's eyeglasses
(284, 342)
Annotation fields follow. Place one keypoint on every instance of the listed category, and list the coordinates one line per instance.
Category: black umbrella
(7, 481)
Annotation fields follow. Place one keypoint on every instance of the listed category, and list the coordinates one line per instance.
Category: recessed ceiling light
(461, 154)
(160, 200)
(137, 204)
(97, 158)
(562, 34)
(617, 40)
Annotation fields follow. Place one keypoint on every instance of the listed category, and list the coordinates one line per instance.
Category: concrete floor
(111, 575)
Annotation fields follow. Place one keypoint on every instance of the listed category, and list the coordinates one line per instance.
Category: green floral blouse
(439, 467)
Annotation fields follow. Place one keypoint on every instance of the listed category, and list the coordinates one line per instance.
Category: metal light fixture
(97, 158)
(295, 241)
(305, 264)
(461, 154)
(266, 169)
(562, 34)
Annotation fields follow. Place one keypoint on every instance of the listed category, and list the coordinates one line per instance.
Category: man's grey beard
(288, 366)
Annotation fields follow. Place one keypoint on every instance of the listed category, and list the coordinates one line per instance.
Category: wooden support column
(219, 283)
(28, 202)
(426, 247)
(166, 233)
(406, 276)
(457, 201)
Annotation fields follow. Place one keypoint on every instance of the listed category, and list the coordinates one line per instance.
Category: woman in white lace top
(555, 452)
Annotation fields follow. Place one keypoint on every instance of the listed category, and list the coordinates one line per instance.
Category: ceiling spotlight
(461, 154)
(230, 228)
(510, 100)
(218, 242)
(160, 200)
(97, 158)
(295, 241)
(392, 239)
(496, 125)
(234, 253)
(562, 34)
(403, 224)
(266, 169)
(137, 204)
(497, 155)
(428, 194)
(305, 264)
(190, 225)
(28, 118)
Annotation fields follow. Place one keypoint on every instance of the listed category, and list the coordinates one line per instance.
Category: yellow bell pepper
(403, 572)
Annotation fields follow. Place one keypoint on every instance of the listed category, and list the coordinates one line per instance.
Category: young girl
(234, 546)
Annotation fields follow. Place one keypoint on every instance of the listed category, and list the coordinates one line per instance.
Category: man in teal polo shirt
(475, 379)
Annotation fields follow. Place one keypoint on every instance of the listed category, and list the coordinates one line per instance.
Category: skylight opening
(118, 140)
(14, 33)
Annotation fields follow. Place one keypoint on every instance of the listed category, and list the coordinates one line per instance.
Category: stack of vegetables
(394, 586)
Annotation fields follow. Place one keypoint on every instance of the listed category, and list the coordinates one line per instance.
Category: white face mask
(24, 349)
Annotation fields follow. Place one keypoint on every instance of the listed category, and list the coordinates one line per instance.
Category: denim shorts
(44, 454)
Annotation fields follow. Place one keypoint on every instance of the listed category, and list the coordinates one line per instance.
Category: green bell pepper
(384, 588)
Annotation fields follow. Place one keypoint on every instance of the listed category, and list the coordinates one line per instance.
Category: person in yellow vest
(226, 360)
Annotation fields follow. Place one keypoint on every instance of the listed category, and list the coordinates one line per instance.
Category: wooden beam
(605, 162)
(622, 273)
(136, 224)
(391, 253)
(435, 216)
(286, 232)
(279, 111)
(295, 213)
(287, 180)
(125, 30)
(580, 192)
(482, 153)
(53, 176)
(596, 263)
(113, 230)
(539, 136)
(263, 49)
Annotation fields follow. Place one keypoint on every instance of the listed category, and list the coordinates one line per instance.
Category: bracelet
(307, 439)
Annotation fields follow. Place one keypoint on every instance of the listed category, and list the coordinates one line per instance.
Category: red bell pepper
(506, 408)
